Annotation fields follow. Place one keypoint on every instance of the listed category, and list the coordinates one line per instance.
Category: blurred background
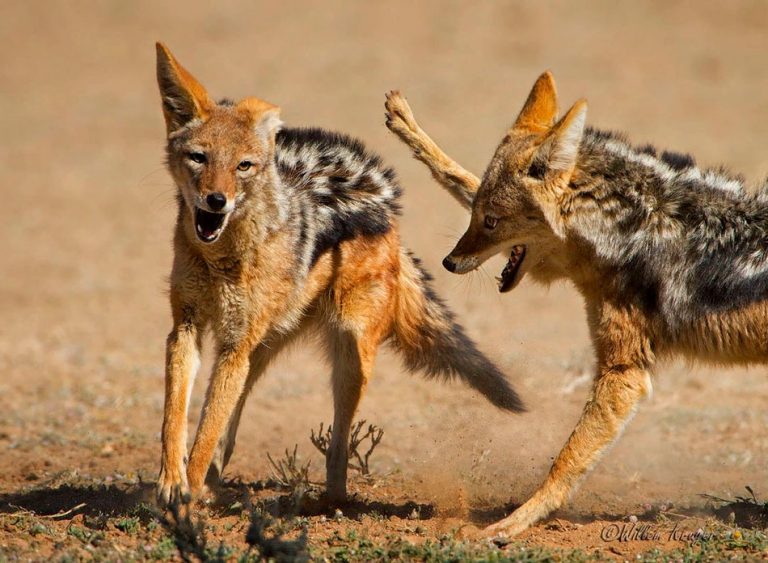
(87, 213)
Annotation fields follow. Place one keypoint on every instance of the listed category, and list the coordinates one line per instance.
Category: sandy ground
(87, 212)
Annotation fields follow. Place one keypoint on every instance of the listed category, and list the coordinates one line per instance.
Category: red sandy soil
(87, 211)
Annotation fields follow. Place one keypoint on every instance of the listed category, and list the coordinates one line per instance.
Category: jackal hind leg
(459, 182)
(615, 395)
(365, 320)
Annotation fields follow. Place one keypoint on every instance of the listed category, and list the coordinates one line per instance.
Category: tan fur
(627, 340)
(193, 91)
(540, 109)
(354, 291)
(247, 294)
(460, 183)
(256, 294)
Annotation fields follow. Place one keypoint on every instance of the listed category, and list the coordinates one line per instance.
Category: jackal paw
(399, 116)
(509, 527)
(172, 487)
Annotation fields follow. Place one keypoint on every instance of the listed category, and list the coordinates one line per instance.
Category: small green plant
(163, 549)
(271, 545)
(37, 528)
(188, 534)
(79, 533)
(128, 525)
(86, 536)
(322, 441)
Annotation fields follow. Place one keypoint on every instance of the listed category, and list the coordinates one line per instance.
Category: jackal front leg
(182, 363)
(615, 395)
(261, 357)
(460, 183)
(224, 390)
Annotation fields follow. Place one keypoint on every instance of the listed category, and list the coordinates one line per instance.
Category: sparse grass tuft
(288, 473)
(188, 534)
(163, 549)
(724, 543)
(374, 434)
(273, 546)
(745, 511)
(353, 546)
(291, 475)
(128, 530)
(86, 536)
(128, 525)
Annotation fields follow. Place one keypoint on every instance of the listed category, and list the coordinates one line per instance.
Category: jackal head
(219, 154)
(517, 209)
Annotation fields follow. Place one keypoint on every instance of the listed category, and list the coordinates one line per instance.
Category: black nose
(449, 264)
(216, 201)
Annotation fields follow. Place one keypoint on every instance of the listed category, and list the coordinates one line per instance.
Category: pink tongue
(206, 232)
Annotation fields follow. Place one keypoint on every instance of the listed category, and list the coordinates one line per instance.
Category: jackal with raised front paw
(670, 258)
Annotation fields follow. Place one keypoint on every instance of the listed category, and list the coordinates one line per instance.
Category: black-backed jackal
(281, 231)
(670, 258)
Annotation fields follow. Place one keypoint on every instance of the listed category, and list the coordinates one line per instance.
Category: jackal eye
(490, 222)
(197, 157)
(244, 165)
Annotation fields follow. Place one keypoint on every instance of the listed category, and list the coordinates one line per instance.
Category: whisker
(143, 179)
(487, 277)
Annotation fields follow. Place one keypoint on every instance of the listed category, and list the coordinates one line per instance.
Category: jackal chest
(243, 301)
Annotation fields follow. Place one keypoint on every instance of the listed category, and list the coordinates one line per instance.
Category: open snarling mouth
(509, 276)
(209, 226)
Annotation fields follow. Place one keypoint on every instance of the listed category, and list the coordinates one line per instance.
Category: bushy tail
(430, 340)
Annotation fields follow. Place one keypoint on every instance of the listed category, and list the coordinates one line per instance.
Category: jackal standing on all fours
(280, 231)
(670, 258)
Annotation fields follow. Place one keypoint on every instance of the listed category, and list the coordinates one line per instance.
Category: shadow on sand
(68, 500)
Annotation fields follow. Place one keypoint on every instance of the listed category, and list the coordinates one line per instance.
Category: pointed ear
(540, 110)
(264, 116)
(560, 149)
(184, 98)
(565, 138)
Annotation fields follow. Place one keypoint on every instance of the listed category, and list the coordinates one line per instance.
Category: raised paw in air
(400, 118)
